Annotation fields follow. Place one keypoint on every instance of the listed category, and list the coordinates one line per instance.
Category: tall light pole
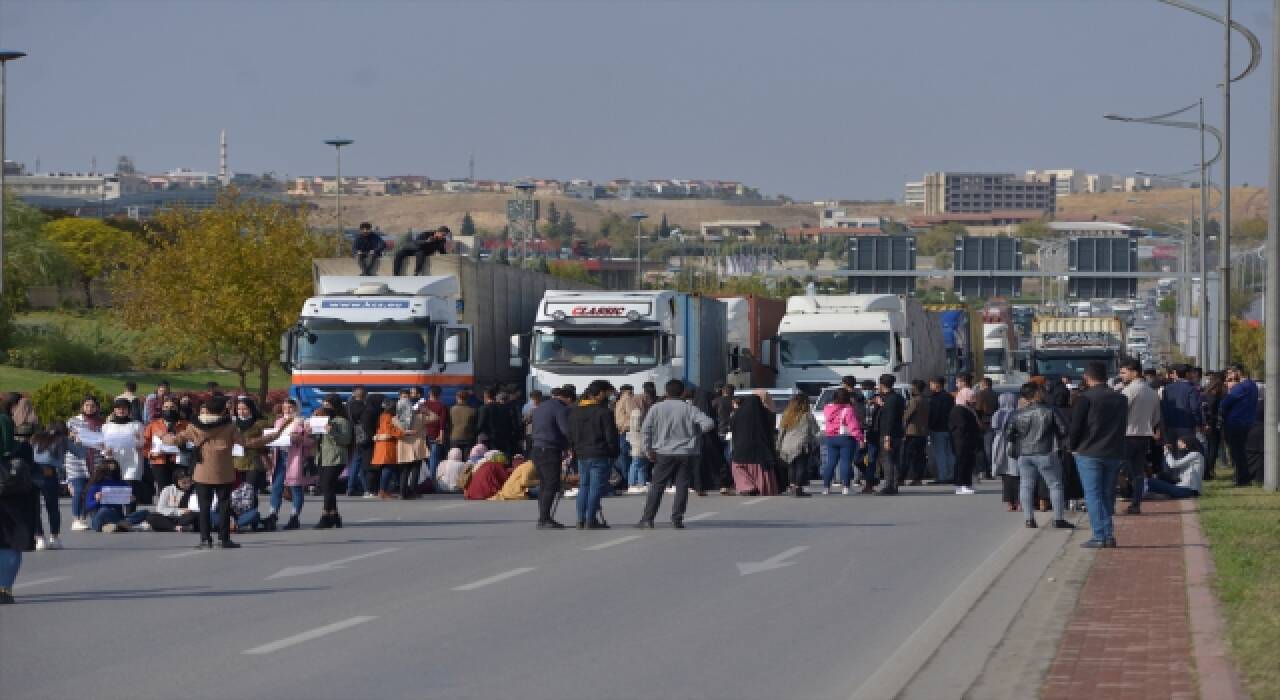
(530, 218)
(1224, 236)
(337, 192)
(639, 217)
(5, 57)
(1271, 298)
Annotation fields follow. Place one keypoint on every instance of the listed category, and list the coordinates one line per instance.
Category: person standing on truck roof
(367, 248)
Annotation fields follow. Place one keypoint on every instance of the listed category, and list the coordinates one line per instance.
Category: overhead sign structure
(1109, 255)
(880, 252)
(988, 253)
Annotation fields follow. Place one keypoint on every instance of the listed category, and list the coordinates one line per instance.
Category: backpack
(464, 479)
(15, 476)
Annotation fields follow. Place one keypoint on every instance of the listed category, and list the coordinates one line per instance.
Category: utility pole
(337, 192)
(1204, 249)
(5, 57)
(1271, 421)
(1224, 236)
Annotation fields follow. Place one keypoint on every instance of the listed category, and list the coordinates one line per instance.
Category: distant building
(837, 217)
(1094, 184)
(913, 195)
(741, 230)
(1067, 181)
(813, 234)
(965, 192)
(89, 186)
(14, 168)
(995, 223)
(1094, 229)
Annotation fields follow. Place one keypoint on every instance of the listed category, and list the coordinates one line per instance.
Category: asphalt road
(441, 598)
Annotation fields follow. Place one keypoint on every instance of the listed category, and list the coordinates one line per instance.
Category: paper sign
(282, 441)
(157, 445)
(237, 450)
(270, 431)
(89, 438)
(318, 424)
(121, 441)
(116, 495)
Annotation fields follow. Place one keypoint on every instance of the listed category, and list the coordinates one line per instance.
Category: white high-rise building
(1069, 181)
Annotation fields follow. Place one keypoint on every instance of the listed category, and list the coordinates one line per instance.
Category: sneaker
(41, 545)
(369, 496)
(644, 489)
(110, 527)
(670, 489)
(570, 493)
(54, 542)
(144, 526)
(724, 492)
(632, 490)
(1092, 544)
(965, 491)
(826, 492)
(1064, 525)
(79, 525)
(844, 491)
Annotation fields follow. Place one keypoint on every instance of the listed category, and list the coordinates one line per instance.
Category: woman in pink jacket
(843, 435)
(288, 464)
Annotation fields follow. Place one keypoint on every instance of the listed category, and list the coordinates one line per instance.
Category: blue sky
(810, 99)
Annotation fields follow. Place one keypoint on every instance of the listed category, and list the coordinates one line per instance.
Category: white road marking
(701, 516)
(369, 520)
(39, 582)
(754, 501)
(495, 579)
(610, 543)
(309, 635)
(777, 561)
(328, 566)
(449, 506)
(179, 555)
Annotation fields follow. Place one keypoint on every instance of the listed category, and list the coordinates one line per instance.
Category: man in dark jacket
(368, 247)
(593, 435)
(889, 426)
(1180, 404)
(359, 440)
(1238, 409)
(940, 405)
(1099, 420)
(986, 403)
(1035, 432)
(550, 427)
(915, 444)
(421, 246)
(494, 422)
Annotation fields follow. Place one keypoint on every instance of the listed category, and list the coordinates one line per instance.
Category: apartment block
(968, 192)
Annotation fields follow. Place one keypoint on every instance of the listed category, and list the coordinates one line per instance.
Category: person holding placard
(82, 454)
(164, 457)
(335, 441)
(250, 461)
(215, 436)
(107, 497)
(292, 442)
(121, 440)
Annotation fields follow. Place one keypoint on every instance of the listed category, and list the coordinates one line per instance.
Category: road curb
(912, 655)
(1215, 671)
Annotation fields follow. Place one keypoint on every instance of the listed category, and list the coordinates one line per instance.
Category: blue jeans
(355, 472)
(77, 496)
(840, 451)
(1171, 490)
(389, 472)
(277, 488)
(114, 514)
(10, 562)
(944, 458)
(245, 519)
(638, 474)
(437, 454)
(47, 488)
(593, 476)
(1029, 466)
(872, 453)
(1098, 478)
(624, 458)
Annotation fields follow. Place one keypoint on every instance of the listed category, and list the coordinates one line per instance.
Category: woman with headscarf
(163, 461)
(122, 440)
(331, 458)
(752, 431)
(712, 467)
(19, 515)
(966, 437)
(411, 449)
(384, 465)
(488, 477)
(1003, 466)
(250, 466)
(523, 478)
(1184, 470)
(449, 470)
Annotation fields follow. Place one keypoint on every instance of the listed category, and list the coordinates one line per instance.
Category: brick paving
(1130, 635)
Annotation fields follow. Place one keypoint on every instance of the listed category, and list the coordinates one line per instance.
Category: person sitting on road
(448, 472)
(477, 454)
(488, 478)
(244, 509)
(110, 517)
(1185, 463)
(367, 248)
(173, 511)
(516, 487)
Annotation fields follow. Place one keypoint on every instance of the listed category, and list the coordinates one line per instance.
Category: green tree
(664, 229)
(553, 221)
(92, 247)
(61, 398)
(1034, 229)
(1248, 346)
(570, 270)
(940, 239)
(468, 227)
(568, 227)
(29, 257)
(1168, 305)
(812, 256)
(1250, 231)
(226, 282)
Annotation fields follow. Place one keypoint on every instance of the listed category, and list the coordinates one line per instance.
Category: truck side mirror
(286, 349)
(766, 353)
(905, 350)
(452, 351)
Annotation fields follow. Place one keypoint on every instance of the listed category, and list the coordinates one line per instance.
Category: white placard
(270, 431)
(116, 495)
(282, 441)
(158, 446)
(237, 450)
(319, 424)
(122, 442)
(89, 438)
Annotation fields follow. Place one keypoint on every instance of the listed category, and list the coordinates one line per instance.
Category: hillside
(1246, 203)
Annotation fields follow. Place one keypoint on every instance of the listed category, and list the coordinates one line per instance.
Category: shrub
(61, 398)
(56, 353)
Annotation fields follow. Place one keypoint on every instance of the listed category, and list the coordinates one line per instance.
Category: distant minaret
(471, 168)
(222, 159)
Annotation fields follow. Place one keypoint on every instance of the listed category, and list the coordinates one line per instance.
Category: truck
(999, 342)
(952, 322)
(1063, 346)
(624, 337)
(823, 338)
(749, 321)
(447, 327)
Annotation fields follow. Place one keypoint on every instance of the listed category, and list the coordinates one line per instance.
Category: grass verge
(27, 380)
(1243, 528)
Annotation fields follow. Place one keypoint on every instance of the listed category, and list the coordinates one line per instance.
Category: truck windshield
(1072, 366)
(595, 348)
(387, 345)
(993, 360)
(834, 348)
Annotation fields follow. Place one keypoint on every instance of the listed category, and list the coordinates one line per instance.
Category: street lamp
(5, 57)
(1224, 237)
(639, 217)
(337, 146)
(530, 220)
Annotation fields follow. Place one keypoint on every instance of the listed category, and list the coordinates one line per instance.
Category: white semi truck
(624, 337)
(825, 337)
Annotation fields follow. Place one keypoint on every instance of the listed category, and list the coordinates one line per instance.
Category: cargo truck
(478, 307)
(1063, 346)
(749, 321)
(825, 337)
(623, 337)
(999, 342)
(952, 322)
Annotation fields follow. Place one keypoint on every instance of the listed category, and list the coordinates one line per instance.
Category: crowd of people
(170, 463)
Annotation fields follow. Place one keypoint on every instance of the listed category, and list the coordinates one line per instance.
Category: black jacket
(1099, 419)
(753, 433)
(1033, 429)
(940, 404)
(550, 425)
(369, 243)
(889, 419)
(966, 431)
(723, 414)
(493, 420)
(593, 432)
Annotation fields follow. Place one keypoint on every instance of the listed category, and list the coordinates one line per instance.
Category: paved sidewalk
(1130, 636)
